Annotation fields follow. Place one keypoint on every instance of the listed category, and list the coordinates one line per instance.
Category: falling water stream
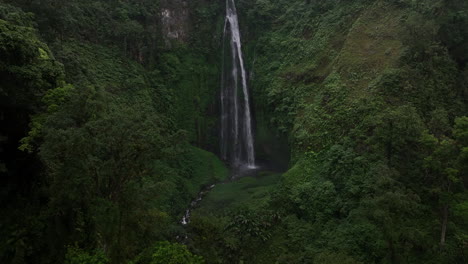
(237, 142)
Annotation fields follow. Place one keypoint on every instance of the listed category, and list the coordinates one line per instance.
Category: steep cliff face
(314, 72)
(175, 20)
(191, 58)
(368, 93)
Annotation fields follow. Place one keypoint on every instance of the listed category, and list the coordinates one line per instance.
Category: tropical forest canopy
(110, 120)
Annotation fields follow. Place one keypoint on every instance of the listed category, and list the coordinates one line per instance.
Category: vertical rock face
(175, 18)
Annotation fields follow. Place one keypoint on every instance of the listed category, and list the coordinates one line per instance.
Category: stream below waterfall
(235, 175)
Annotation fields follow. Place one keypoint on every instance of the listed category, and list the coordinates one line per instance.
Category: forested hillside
(110, 120)
(372, 96)
(102, 119)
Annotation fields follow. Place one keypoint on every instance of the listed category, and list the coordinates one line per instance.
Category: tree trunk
(389, 147)
(443, 232)
(393, 258)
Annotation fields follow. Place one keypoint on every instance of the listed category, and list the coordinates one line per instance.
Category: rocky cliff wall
(175, 21)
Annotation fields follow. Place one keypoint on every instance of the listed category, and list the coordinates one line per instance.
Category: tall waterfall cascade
(237, 142)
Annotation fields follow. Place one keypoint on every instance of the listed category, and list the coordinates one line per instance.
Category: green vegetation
(108, 129)
(102, 162)
(250, 192)
(165, 252)
(370, 95)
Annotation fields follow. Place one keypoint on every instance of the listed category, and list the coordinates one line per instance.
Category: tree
(446, 166)
(79, 256)
(168, 253)
(95, 152)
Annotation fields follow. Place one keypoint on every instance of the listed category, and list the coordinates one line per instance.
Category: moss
(250, 192)
(206, 168)
(372, 45)
(195, 87)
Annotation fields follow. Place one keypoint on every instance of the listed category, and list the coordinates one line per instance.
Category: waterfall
(237, 143)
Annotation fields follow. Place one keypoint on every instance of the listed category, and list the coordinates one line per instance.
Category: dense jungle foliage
(108, 129)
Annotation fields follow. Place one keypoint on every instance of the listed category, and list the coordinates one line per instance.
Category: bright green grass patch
(250, 192)
(206, 167)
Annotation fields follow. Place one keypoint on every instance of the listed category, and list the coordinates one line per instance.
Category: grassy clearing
(250, 192)
(207, 169)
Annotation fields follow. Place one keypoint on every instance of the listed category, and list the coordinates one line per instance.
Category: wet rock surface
(175, 21)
